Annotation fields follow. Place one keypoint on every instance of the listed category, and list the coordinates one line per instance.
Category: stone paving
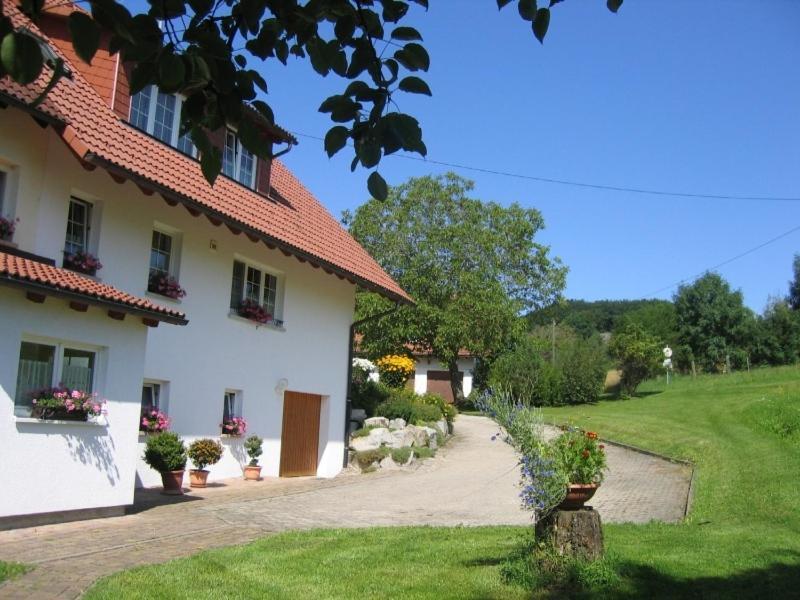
(472, 481)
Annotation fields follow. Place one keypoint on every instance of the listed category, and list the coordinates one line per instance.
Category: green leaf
(377, 186)
(368, 150)
(415, 85)
(541, 23)
(85, 35)
(141, 76)
(502, 3)
(406, 34)
(413, 57)
(211, 164)
(614, 5)
(527, 9)
(265, 110)
(21, 57)
(335, 139)
(345, 27)
(171, 73)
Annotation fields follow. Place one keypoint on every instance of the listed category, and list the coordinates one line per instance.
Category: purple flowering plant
(543, 483)
(153, 421)
(250, 309)
(235, 426)
(166, 285)
(82, 262)
(7, 227)
(65, 403)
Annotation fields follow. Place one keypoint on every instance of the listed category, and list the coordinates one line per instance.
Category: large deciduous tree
(713, 323)
(472, 267)
(793, 299)
(210, 52)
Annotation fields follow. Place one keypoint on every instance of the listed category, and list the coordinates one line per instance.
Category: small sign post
(667, 361)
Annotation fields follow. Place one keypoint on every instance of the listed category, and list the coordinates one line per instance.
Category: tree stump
(576, 533)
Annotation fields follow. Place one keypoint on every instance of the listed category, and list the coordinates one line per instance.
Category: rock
(441, 425)
(376, 438)
(577, 533)
(401, 438)
(388, 463)
(376, 422)
(420, 437)
(431, 442)
(411, 459)
(397, 424)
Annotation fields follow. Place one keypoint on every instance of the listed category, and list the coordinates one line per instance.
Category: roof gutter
(46, 290)
(348, 404)
(109, 166)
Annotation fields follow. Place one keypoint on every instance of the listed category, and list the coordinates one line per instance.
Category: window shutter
(237, 284)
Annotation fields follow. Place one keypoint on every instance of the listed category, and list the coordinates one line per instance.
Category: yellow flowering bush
(395, 369)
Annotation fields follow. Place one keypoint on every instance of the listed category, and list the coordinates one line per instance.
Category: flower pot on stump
(578, 494)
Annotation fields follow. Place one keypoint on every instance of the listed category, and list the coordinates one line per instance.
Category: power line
(596, 186)
(725, 262)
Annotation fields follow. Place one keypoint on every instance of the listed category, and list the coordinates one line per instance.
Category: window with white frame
(159, 114)
(46, 365)
(253, 285)
(231, 412)
(79, 219)
(160, 253)
(151, 397)
(237, 162)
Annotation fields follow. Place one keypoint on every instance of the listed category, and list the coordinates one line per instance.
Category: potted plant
(582, 458)
(7, 227)
(252, 445)
(166, 454)
(82, 262)
(165, 285)
(202, 453)
(65, 404)
(235, 426)
(154, 421)
(250, 309)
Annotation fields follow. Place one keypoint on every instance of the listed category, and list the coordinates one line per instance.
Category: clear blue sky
(697, 97)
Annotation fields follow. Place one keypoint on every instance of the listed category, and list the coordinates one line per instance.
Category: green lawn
(9, 570)
(742, 539)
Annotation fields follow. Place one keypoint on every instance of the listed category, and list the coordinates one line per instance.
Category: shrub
(395, 369)
(204, 452)
(165, 452)
(401, 455)
(638, 356)
(424, 413)
(423, 452)
(252, 446)
(367, 395)
(583, 371)
(447, 411)
(365, 458)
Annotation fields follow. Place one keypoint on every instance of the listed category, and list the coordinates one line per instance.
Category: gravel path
(472, 481)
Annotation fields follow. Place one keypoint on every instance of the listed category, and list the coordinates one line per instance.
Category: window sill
(162, 298)
(230, 435)
(101, 422)
(236, 317)
(8, 243)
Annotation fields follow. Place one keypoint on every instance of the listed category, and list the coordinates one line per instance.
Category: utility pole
(553, 339)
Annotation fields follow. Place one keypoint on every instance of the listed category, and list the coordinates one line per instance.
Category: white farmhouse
(262, 333)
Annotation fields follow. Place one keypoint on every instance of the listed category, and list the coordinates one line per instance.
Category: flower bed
(82, 262)
(165, 285)
(64, 404)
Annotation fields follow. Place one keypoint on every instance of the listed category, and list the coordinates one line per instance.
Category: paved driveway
(472, 481)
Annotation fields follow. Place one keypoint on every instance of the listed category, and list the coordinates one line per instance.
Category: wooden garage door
(439, 383)
(300, 435)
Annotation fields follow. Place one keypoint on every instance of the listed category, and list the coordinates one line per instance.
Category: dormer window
(237, 162)
(159, 114)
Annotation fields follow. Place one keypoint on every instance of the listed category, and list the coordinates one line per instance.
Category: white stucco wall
(216, 351)
(47, 467)
(423, 365)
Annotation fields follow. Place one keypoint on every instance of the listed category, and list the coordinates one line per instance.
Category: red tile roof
(300, 226)
(30, 274)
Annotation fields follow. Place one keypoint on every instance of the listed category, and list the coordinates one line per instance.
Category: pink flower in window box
(82, 262)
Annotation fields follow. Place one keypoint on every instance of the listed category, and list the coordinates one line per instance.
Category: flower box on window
(64, 404)
(250, 309)
(165, 285)
(82, 262)
(7, 227)
(235, 426)
(153, 421)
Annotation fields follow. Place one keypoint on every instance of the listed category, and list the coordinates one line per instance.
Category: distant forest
(588, 318)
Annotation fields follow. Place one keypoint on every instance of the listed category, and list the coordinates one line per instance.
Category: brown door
(300, 435)
(439, 383)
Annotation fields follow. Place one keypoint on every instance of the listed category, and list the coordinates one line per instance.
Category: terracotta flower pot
(252, 473)
(578, 494)
(173, 482)
(198, 478)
